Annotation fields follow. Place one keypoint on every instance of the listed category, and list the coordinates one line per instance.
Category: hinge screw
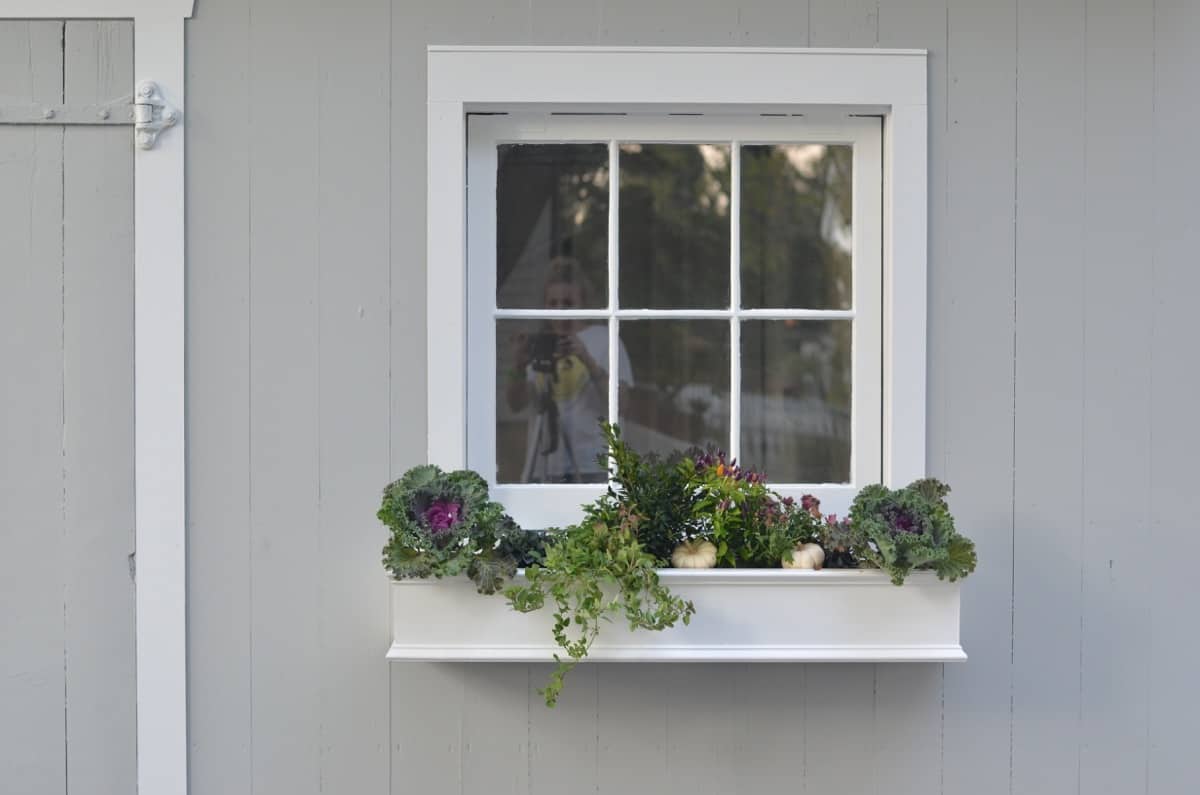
(48, 113)
(146, 90)
(102, 114)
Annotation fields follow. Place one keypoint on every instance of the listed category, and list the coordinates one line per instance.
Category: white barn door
(67, 612)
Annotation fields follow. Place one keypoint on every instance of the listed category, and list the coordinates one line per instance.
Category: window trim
(889, 83)
(542, 505)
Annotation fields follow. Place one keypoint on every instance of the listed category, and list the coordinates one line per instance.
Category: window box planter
(742, 615)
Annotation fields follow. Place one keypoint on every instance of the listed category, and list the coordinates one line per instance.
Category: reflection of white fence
(773, 425)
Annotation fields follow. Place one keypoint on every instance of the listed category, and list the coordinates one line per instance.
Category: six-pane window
(699, 280)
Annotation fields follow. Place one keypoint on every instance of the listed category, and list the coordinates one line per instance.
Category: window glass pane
(552, 391)
(796, 226)
(796, 399)
(674, 226)
(551, 222)
(679, 396)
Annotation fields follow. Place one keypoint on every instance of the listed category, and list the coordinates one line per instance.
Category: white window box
(742, 615)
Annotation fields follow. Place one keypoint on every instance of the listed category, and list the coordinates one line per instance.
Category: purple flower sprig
(724, 467)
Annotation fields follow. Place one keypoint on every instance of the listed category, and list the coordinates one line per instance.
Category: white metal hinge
(151, 114)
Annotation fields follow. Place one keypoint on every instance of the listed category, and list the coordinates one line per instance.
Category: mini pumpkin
(805, 556)
(695, 554)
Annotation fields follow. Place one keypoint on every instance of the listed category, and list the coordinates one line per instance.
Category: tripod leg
(533, 448)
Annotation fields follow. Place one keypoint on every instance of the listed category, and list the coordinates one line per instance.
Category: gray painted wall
(1061, 386)
(1062, 378)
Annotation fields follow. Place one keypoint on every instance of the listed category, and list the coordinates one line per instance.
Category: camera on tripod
(543, 351)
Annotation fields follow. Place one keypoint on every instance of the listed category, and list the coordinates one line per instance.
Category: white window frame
(545, 505)
(888, 83)
(159, 444)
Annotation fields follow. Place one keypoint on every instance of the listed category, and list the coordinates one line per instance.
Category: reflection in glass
(552, 392)
(796, 399)
(796, 226)
(551, 205)
(674, 221)
(681, 397)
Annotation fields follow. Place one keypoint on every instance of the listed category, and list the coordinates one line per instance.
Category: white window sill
(742, 615)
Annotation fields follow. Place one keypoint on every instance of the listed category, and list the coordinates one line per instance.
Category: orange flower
(720, 470)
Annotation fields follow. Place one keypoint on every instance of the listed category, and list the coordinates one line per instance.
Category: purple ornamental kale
(441, 515)
(900, 520)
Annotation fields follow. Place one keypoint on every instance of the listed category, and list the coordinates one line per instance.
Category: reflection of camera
(543, 351)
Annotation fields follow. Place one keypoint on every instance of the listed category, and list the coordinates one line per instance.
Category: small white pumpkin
(695, 554)
(805, 556)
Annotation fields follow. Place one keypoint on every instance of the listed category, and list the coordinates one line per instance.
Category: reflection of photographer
(559, 376)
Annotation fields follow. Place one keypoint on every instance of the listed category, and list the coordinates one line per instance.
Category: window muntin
(805, 352)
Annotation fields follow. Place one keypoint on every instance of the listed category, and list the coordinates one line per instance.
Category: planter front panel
(741, 615)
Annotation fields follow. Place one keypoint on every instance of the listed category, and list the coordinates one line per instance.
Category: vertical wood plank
(668, 22)
(32, 544)
(564, 21)
(839, 717)
(1048, 483)
(706, 728)
(354, 239)
(781, 23)
(908, 702)
(220, 693)
(773, 711)
(977, 351)
(427, 704)
(1117, 293)
(427, 708)
(406, 310)
(284, 397)
(495, 728)
(564, 741)
(844, 23)
(98, 413)
(632, 728)
(840, 699)
(1172, 543)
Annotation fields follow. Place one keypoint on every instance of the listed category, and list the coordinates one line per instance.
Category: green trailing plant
(592, 572)
(443, 524)
(910, 528)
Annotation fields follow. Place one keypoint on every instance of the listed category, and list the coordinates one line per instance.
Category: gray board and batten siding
(1062, 375)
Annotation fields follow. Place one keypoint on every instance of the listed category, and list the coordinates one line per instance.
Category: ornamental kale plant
(443, 524)
(911, 528)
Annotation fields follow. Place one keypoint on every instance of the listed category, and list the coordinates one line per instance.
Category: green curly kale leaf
(910, 528)
(443, 524)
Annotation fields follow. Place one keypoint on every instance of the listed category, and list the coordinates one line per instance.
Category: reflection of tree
(674, 226)
(792, 212)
